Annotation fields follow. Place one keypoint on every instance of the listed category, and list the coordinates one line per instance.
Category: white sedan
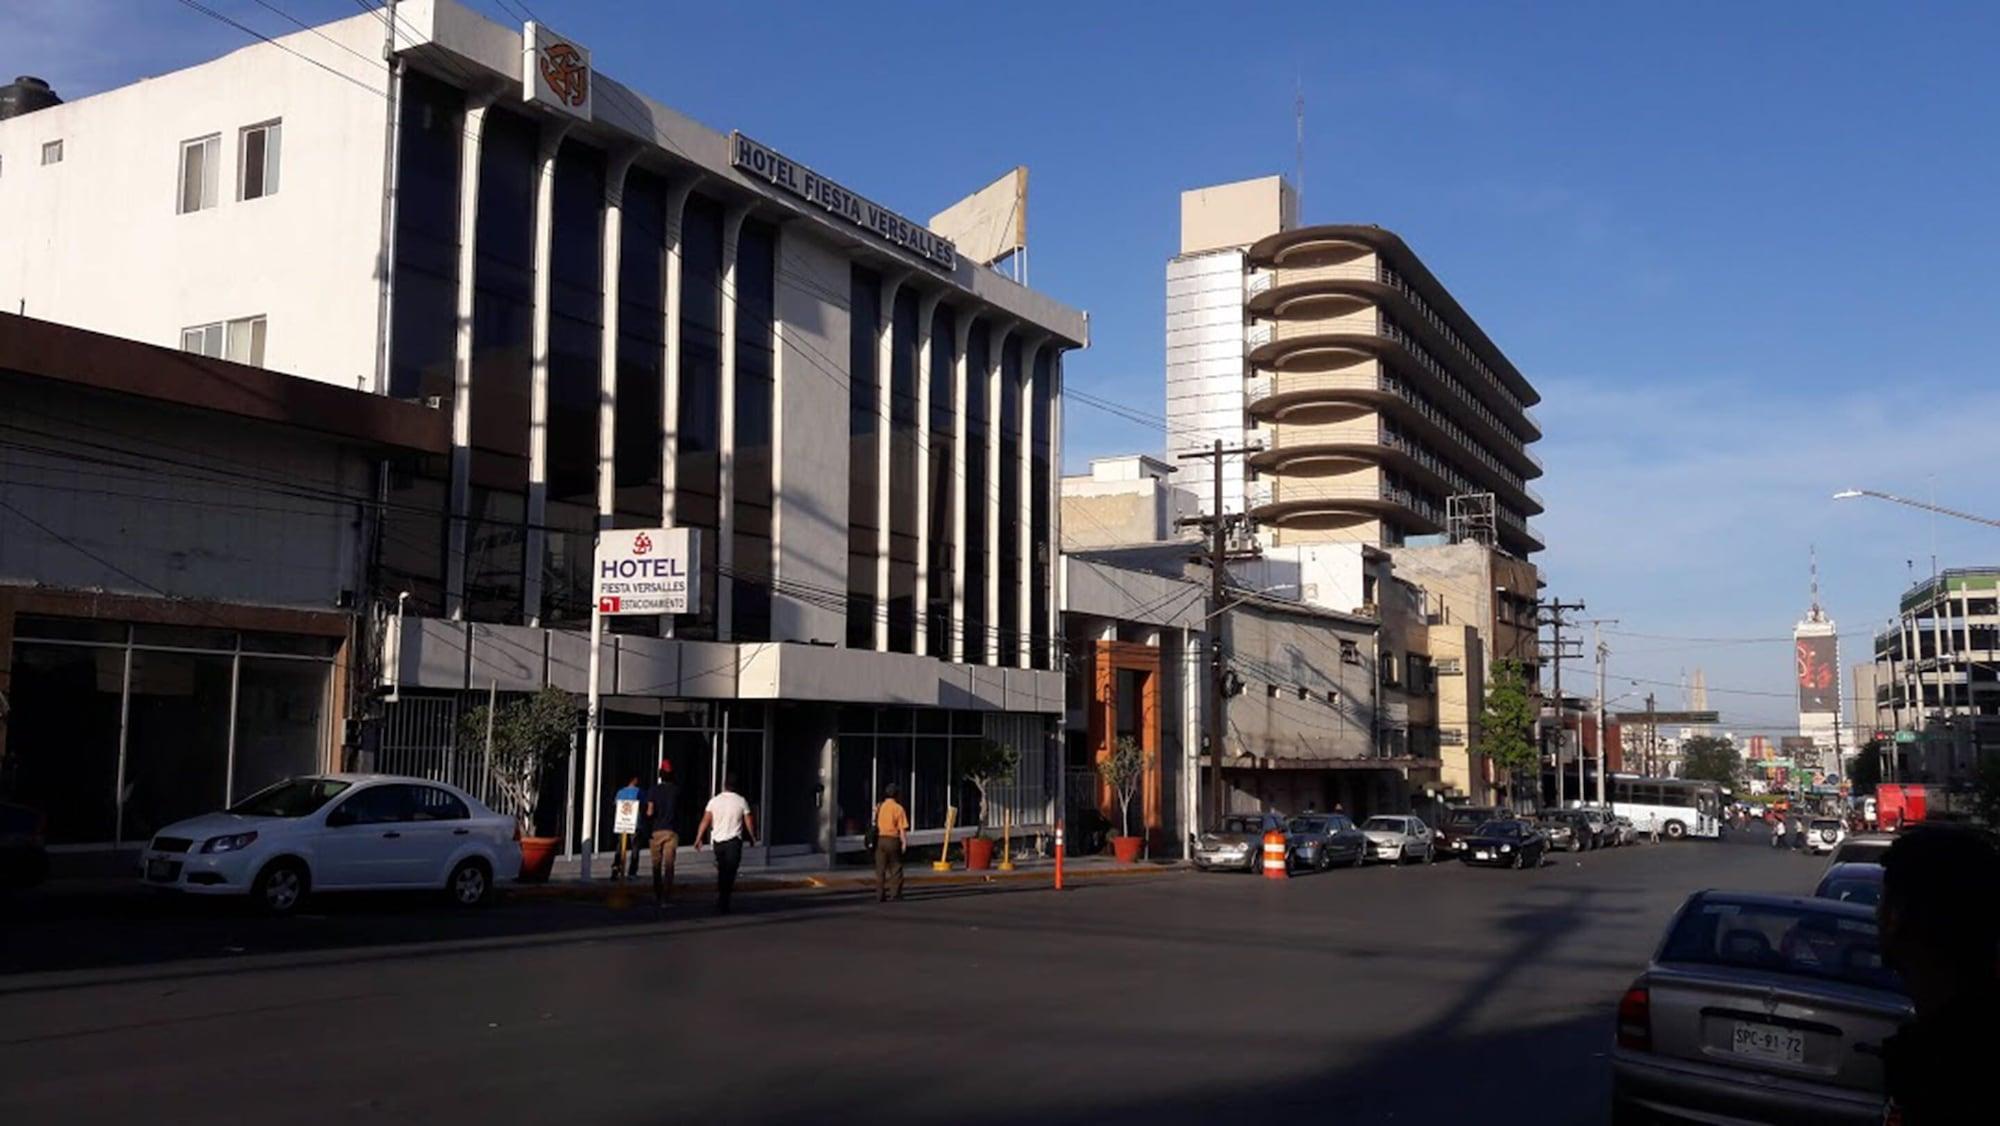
(1399, 838)
(339, 832)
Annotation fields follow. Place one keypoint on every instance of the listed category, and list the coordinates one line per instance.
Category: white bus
(1681, 808)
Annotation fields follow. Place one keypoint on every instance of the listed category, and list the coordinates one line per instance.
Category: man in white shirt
(728, 823)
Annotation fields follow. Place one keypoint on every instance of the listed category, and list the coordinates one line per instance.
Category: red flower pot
(978, 853)
(1126, 849)
(538, 856)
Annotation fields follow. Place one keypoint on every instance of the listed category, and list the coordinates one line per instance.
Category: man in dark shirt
(1940, 919)
(656, 824)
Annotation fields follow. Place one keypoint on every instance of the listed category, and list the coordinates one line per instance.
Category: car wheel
(281, 887)
(1360, 857)
(471, 884)
(1323, 861)
(1520, 860)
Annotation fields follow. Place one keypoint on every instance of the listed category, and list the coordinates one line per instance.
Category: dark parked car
(1507, 843)
(1568, 829)
(24, 854)
(1758, 1008)
(1238, 846)
(1458, 822)
(1853, 882)
(1321, 840)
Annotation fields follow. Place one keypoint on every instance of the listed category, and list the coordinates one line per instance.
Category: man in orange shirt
(892, 833)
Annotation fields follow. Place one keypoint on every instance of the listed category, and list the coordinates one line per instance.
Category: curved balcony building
(1375, 396)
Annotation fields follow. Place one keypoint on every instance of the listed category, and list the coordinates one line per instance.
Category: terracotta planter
(1127, 848)
(538, 856)
(978, 853)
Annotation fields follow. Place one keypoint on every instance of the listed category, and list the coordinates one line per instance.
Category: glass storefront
(117, 731)
(917, 750)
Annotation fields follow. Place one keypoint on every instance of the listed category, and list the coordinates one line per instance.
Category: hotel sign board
(555, 72)
(796, 180)
(645, 571)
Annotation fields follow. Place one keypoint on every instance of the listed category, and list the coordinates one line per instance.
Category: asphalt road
(1414, 995)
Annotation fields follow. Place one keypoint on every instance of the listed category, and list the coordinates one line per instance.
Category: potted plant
(523, 742)
(1122, 770)
(984, 762)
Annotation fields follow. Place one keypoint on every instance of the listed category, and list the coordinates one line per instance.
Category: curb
(599, 889)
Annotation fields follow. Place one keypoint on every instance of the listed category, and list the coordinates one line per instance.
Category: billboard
(1818, 673)
(646, 571)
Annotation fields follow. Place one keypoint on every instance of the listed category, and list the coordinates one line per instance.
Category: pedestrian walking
(1653, 828)
(1798, 833)
(1777, 832)
(728, 822)
(657, 818)
(1939, 916)
(626, 866)
(892, 836)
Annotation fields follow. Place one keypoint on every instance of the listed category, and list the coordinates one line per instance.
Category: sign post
(638, 571)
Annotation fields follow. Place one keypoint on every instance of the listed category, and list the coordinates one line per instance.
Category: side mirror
(339, 818)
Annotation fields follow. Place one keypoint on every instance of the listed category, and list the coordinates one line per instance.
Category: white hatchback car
(339, 832)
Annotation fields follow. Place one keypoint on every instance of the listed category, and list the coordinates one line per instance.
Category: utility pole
(1217, 558)
(1597, 638)
(1652, 737)
(1552, 617)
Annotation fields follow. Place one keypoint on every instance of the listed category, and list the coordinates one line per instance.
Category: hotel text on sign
(645, 570)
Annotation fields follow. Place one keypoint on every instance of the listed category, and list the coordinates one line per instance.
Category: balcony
(1330, 506)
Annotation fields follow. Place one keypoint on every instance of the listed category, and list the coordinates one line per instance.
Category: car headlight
(1506, 848)
(230, 843)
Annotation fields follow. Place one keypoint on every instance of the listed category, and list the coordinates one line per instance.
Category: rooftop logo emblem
(555, 72)
(566, 73)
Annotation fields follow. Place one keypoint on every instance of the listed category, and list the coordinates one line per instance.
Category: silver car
(1238, 844)
(1758, 1008)
(1398, 837)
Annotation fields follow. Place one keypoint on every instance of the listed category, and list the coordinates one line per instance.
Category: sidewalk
(697, 871)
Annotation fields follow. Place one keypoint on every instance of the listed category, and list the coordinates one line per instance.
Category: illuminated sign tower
(1816, 658)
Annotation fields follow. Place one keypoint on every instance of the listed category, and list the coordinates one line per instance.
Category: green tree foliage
(983, 763)
(1122, 770)
(1507, 722)
(1711, 758)
(1866, 772)
(530, 737)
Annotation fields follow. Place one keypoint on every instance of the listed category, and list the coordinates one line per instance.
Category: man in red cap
(657, 824)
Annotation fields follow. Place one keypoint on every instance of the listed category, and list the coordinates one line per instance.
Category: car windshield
(1781, 938)
(1851, 890)
(294, 797)
(1860, 852)
(1463, 821)
(1385, 824)
(1500, 829)
(1308, 825)
(1826, 823)
(1243, 825)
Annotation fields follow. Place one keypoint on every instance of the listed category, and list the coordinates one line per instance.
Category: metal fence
(420, 739)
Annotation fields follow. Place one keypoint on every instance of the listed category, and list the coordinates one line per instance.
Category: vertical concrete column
(1059, 579)
(670, 361)
(961, 379)
(725, 501)
(538, 359)
(996, 352)
(461, 360)
(1031, 350)
(778, 381)
(607, 349)
(885, 391)
(926, 309)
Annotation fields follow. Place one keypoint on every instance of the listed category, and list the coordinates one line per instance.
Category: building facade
(1937, 676)
(630, 321)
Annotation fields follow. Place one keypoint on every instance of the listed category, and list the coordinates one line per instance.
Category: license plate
(1482, 856)
(1767, 1042)
(161, 869)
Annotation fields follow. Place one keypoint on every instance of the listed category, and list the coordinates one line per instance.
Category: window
(201, 159)
(240, 340)
(1350, 653)
(257, 161)
(428, 803)
(52, 152)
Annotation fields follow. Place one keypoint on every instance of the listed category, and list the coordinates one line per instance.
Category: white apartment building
(632, 320)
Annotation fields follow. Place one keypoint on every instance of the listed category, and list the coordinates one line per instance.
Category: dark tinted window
(1308, 825)
(378, 805)
(864, 522)
(294, 797)
(428, 803)
(1780, 939)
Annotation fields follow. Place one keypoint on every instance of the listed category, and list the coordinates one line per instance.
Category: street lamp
(1850, 494)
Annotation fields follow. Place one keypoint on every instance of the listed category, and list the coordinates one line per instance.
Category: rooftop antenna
(1815, 614)
(1299, 145)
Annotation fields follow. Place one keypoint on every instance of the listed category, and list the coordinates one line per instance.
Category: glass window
(863, 519)
(69, 629)
(201, 161)
(203, 340)
(52, 152)
(428, 803)
(257, 174)
(697, 473)
(978, 504)
(280, 721)
(294, 797)
(245, 342)
(756, 298)
(931, 791)
(903, 402)
(176, 740)
(379, 805)
(424, 342)
(62, 738)
(1008, 496)
(502, 330)
(636, 450)
(855, 790)
(1779, 938)
(943, 382)
(1040, 553)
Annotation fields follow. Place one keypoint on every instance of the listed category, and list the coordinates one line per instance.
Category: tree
(1866, 773)
(1122, 770)
(984, 762)
(1507, 722)
(530, 736)
(1710, 758)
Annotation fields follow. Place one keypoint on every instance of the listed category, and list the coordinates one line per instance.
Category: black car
(1457, 823)
(24, 854)
(1506, 842)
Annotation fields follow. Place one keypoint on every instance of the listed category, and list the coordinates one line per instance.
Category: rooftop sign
(795, 179)
(555, 73)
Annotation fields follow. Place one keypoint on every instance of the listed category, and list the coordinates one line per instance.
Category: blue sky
(1745, 251)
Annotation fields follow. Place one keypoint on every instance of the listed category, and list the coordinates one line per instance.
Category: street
(1376, 996)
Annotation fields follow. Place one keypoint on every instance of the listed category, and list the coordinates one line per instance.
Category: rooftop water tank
(26, 94)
